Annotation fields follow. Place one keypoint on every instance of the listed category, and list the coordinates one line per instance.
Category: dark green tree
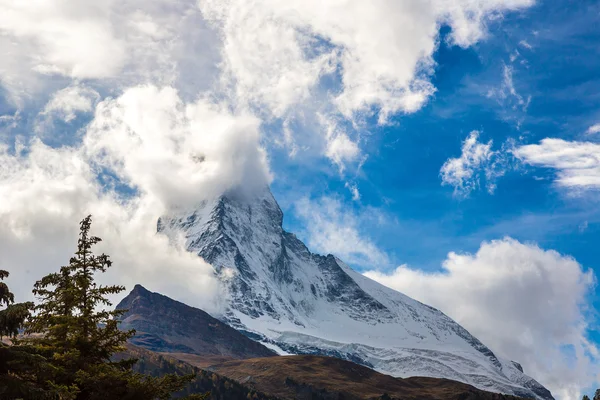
(21, 367)
(79, 336)
(597, 395)
(13, 317)
(585, 397)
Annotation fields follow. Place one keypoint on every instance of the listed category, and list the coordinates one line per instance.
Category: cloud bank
(527, 304)
(144, 153)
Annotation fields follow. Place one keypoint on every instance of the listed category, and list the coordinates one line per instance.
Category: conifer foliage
(14, 315)
(21, 368)
(72, 330)
(68, 314)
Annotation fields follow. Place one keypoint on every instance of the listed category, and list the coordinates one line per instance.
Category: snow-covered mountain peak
(296, 301)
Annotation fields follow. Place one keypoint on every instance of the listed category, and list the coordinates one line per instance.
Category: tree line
(62, 348)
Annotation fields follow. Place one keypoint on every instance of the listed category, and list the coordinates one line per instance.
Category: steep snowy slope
(303, 303)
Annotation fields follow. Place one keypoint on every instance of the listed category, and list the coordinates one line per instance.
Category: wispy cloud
(525, 44)
(507, 92)
(577, 164)
(353, 188)
(477, 165)
(332, 228)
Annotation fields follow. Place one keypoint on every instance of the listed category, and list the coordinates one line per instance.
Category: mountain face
(166, 325)
(303, 303)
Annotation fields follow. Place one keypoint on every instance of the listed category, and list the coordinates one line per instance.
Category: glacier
(298, 302)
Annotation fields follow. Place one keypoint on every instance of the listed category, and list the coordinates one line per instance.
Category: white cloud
(8, 123)
(68, 102)
(592, 130)
(465, 172)
(525, 43)
(525, 303)
(170, 152)
(179, 152)
(276, 51)
(331, 229)
(577, 163)
(265, 56)
(340, 149)
(353, 188)
(507, 93)
(117, 43)
(64, 37)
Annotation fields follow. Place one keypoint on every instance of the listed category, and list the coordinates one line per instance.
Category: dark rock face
(166, 325)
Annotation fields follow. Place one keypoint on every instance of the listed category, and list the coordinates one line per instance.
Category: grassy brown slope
(219, 387)
(198, 361)
(305, 377)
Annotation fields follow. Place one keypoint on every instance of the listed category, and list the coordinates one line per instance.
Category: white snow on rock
(303, 303)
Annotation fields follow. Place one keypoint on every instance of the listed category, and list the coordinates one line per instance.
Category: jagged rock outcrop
(285, 296)
(166, 325)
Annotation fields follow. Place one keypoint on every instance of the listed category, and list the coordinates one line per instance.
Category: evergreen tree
(13, 317)
(79, 337)
(597, 395)
(585, 397)
(21, 368)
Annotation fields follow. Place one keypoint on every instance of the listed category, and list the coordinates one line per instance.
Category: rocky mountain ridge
(299, 302)
(168, 326)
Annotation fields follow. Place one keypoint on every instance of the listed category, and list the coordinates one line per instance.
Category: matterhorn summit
(298, 302)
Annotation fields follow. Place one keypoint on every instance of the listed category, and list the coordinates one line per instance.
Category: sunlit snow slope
(303, 303)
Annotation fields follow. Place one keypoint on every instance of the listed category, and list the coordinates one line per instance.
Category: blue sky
(553, 55)
(558, 68)
(412, 139)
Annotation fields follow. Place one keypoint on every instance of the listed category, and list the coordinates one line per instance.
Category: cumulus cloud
(276, 51)
(577, 164)
(266, 56)
(178, 152)
(119, 44)
(476, 162)
(332, 229)
(43, 196)
(527, 304)
(168, 152)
